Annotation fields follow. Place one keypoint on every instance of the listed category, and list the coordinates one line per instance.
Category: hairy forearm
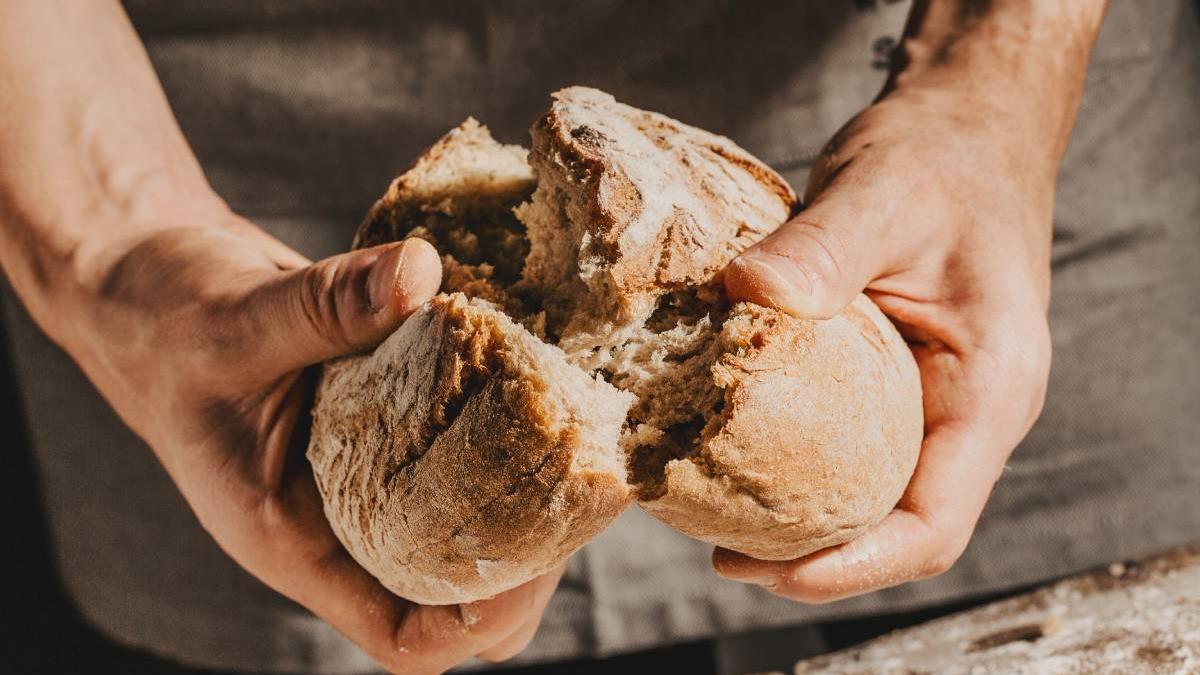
(89, 151)
(1018, 63)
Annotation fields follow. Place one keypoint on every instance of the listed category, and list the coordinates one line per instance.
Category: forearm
(89, 151)
(1019, 63)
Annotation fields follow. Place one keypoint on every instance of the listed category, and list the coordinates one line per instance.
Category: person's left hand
(944, 219)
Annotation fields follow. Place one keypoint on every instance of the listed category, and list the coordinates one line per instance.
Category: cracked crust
(647, 205)
(598, 359)
(816, 438)
(770, 435)
(459, 196)
(464, 456)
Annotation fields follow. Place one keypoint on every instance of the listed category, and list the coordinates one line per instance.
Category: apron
(301, 111)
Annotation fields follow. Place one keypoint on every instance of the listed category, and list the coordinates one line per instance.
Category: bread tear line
(583, 356)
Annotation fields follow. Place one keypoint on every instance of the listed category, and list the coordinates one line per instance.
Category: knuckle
(274, 518)
(938, 564)
(279, 532)
(822, 254)
(318, 304)
(1015, 343)
(828, 253)
(447, 626)
(1040, 376)
(1036, 339)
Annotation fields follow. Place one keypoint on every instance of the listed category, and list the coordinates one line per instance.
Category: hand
(937, 201)
(943, 216)
(199, 337)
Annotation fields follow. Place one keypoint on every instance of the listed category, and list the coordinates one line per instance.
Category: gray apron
(301, 112)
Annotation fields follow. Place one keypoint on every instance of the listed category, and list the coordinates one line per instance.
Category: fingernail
(383, 278)
(745, 576)
(768, 581)
(777, 280)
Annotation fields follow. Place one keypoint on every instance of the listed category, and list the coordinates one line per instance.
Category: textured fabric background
(302, 111)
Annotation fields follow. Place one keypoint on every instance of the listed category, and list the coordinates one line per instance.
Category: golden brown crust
(449, 459)
(465, 455)
(465, 173)
(459, 196)
(813, 427)
(664, 205)
(819, 432)
(667, 202)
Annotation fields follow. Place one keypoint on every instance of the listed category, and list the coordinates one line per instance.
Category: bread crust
(663, 205)
(815, 441)
(820, 422)
(466, 173)
(449, 461)
(483, 442)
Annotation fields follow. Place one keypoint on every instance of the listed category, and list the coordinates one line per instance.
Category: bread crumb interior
(663, 357)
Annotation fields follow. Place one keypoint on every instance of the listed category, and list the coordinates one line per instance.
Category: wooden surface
(1131, 618)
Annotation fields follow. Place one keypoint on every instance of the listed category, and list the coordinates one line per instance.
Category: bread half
(465, 456)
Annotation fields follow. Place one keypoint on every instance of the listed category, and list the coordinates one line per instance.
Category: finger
(815, 264)
(405, 637)
(306, 563)
(334, 307)
(921, 538)
(519, 640)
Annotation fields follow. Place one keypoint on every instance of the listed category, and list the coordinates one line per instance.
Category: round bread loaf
(583, 355)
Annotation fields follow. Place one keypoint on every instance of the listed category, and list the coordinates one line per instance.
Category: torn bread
(736, 424)
(464, 456)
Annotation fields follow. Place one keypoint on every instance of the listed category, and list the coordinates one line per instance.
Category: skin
(199, 328)
(937, 201)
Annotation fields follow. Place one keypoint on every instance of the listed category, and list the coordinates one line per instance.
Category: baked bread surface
(464, 456)
(602, 364)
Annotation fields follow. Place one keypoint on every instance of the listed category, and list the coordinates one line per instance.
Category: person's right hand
(200, 336)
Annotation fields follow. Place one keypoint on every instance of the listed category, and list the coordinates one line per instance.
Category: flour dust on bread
(734, 423)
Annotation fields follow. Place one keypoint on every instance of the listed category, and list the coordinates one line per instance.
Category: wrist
(1013, 65)
(59, 255)
(89, 152)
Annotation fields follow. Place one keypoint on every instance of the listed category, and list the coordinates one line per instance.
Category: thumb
(812, 267)
(340, 305)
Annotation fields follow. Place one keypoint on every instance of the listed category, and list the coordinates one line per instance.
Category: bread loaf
(582, 355)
